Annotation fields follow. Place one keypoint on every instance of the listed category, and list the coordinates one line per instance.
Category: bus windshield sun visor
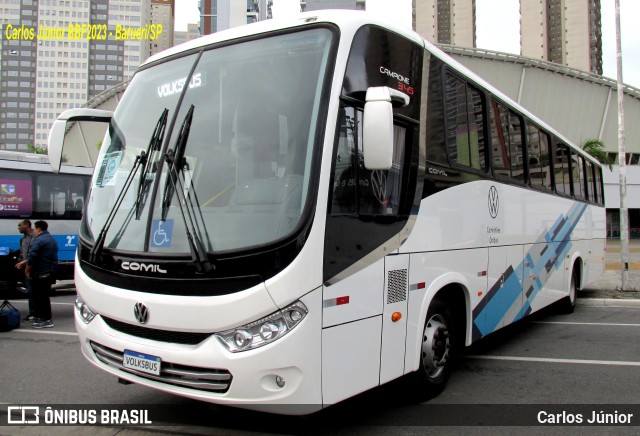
(145, 160)
(189, 205)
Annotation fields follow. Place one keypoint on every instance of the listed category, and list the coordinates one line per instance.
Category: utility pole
(624, 214)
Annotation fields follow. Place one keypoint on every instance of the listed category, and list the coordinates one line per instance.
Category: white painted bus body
(348, 342)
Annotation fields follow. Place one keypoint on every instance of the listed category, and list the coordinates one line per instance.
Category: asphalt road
(590, 359)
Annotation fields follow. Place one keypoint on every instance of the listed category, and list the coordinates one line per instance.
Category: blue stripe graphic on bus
(502, 301)
(67, 245)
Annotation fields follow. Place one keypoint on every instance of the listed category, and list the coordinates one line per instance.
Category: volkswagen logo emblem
(141, 313)
(494, 202)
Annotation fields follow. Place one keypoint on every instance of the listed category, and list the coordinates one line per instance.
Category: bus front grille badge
(141, 313)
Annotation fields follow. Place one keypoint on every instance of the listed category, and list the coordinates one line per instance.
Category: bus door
(366, 280)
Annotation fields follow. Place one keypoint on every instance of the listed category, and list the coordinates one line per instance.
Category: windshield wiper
(141, 160)
(175, 161)
(146, 179)
(176, 165)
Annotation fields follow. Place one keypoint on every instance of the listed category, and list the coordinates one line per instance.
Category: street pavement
(607, 290)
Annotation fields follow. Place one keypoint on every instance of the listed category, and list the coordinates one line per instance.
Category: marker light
(84, 312)
(265, 330)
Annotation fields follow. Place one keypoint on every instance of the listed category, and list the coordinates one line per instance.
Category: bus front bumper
(280, 377)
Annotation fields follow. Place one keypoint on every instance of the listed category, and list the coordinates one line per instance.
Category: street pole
(624, 214)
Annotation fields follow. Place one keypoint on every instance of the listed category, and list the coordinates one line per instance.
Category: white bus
(296, 212)
(30, 190)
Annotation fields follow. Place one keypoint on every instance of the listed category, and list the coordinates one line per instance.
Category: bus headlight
(84, 312)
(265, 330)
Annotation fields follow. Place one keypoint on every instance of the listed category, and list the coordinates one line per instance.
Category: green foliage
(37, 150)
(595, 148)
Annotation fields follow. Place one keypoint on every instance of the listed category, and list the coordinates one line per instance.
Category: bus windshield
(228, 134)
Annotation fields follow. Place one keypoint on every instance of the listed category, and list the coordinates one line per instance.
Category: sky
(497, 27)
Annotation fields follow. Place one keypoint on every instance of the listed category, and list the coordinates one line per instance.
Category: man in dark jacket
(24, 227)
(42, 262)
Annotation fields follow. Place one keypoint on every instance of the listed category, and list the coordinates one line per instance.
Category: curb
(611, 302)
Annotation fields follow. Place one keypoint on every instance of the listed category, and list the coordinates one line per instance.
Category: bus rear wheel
(437, 350)
(568, 303)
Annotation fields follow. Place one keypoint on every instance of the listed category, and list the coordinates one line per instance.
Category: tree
(37, 150)
(595, 148)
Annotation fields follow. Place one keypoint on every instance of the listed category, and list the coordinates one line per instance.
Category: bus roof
(342, 18)
(17, 160)
(354, 20)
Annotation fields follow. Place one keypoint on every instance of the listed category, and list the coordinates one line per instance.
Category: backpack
(9, 317)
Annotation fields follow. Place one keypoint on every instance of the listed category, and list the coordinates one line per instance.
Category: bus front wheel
(437, 349)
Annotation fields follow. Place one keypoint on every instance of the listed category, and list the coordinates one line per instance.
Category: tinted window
(561, 169)
(598, 184)
(506, 142)
(538, 153)
(464, 124)
(590, 185)
(577, 172)
(357, 190)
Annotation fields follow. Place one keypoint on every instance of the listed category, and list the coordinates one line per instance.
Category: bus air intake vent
(203, 379)
(186, 338)
(396, 286)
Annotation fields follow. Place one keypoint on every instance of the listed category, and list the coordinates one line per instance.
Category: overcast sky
(497, 27)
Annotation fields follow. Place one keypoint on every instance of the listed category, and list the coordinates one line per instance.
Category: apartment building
(567, 32)
(57, 54)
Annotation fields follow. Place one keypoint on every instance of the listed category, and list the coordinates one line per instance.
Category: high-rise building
(566, 32)
(56, 55)
(314, 5)
(192, 32)
(217, 15)
(446, 21)
(162, 13)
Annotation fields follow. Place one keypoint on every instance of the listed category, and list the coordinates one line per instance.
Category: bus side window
(598, 185)
(589, 182)
(357, 190)
(561, 169)
(506, 140)
(577, 171)
(538, 153)
(464, 123)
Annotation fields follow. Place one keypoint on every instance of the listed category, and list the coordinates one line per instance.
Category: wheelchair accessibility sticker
(161, 233)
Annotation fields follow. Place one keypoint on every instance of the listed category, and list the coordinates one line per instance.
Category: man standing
(24, 227)
(42, 262)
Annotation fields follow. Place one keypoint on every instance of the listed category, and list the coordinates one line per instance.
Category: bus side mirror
(59, 130)
(377, 136)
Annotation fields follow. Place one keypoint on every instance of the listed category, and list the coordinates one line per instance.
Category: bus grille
(186, 338)
(203, 379)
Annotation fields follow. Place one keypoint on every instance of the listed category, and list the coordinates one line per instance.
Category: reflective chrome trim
(217, 380)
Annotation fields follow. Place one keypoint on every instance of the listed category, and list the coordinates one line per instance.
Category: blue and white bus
(293, 212)
(30, 190)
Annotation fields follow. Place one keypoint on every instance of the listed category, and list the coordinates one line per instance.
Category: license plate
(141, 362)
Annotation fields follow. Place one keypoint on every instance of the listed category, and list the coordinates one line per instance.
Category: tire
(568, 303)
(437, 351)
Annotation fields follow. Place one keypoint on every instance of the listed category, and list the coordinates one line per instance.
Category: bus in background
(293, 212)
(30, 190)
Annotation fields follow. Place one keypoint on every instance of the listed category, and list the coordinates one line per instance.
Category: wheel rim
(435, 346)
